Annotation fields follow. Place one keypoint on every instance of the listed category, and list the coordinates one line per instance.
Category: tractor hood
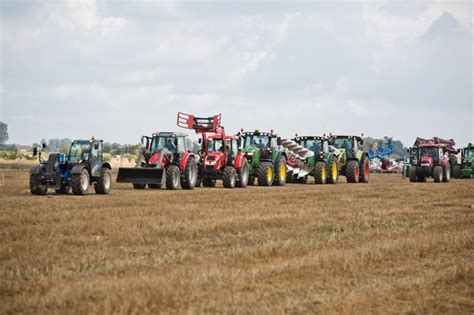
(213, 158)
(250, 150)
(427, 161)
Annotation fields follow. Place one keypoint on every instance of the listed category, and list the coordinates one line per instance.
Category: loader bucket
(138, 175)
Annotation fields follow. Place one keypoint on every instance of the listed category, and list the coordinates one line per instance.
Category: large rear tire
(172, 177)
(457, 171)
(320, 174)
(80, 183)
(243, 174)
(190, 174)
(280, 172)
(453, 161)
(333, 176)
(446, 173)
(35, 185)
(438, 174)
(352, 171)
(265, 174)
(413, 177)
(364, 170)
(103, 182)
(229, 177)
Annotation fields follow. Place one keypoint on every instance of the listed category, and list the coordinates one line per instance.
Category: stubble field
(384, 247)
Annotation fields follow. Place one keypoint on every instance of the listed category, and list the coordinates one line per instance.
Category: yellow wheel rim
(323, 173)
(334, 171)
(270, 175)
(282, 171)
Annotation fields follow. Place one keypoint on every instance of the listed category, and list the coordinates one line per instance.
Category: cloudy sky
(120, 69)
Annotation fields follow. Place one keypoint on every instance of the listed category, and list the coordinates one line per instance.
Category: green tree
(3, 133)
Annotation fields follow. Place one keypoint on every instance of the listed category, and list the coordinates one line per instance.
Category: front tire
(446, 173)
(35, 186)
(190, 174)
(280, 172)
(80, 183)
(413, 177)
(265, 174)
(352, 171)
(104, 182)
(457, 171)
(320, 174)
(172, 177)
(438, 174)
(229, 177)
(333, 177)
(364, 170)
(243, 174)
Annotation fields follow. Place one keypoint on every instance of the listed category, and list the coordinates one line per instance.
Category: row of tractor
(439, 159)
(169, 159)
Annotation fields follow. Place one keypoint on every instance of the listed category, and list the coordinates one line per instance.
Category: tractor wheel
(352, 171)
(190, 174)
(280, 172)
(35, 185)
(364, 170)
(208, 182)
(229, 177)
(446, 173)
(104, 182)
(413, 177)
(243, 175)
(320, 174)
(154, 186)
(333, 175)
(64, 190)
(452, 163)
(172, 177)
(438, 174)
(139, 186)
(251, 181)
(457, 171)
(80, 183)
(265, 174)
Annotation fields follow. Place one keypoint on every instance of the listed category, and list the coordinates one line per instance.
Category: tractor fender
(106, 165)
(238, 160)
(35, 170)
(184, 160)
(77, 169)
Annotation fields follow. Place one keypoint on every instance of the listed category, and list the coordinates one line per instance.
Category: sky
(121, 69)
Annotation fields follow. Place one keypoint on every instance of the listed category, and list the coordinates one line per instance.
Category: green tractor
(266, 157)
(310, 156)
(466, 169)
(353, 161)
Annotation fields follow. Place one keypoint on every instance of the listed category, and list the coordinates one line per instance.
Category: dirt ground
(389, 246)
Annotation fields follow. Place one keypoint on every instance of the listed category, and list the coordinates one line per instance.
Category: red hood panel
(154, 158)
(427, 159)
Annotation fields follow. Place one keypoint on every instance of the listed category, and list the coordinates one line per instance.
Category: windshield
(313, 145)
(78, 148)
(215, 145)
(430, 152)
(342, 143)
(260, 141)
(164, 142)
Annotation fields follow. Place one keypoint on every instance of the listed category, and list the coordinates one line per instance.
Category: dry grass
(386, 247)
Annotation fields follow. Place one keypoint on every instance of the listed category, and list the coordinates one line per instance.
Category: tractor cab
(318, 145)
(221, 150)
(349, 144)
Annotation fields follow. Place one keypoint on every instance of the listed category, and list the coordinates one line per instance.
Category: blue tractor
(76, 171)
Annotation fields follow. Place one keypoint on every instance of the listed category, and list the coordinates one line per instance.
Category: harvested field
(384, 247)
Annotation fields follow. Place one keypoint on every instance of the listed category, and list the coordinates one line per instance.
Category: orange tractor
(220, 157)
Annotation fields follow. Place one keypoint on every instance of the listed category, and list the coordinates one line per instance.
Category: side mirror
(408, 150)
(43, 145)
(361, 142)
(96, 146)
(279, 141)
(200, 141)
(142, 140)
(459, 150)
(35, 151)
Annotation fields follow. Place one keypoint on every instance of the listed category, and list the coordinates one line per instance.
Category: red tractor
(431, 158)
(220, 155)
(165, 157)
